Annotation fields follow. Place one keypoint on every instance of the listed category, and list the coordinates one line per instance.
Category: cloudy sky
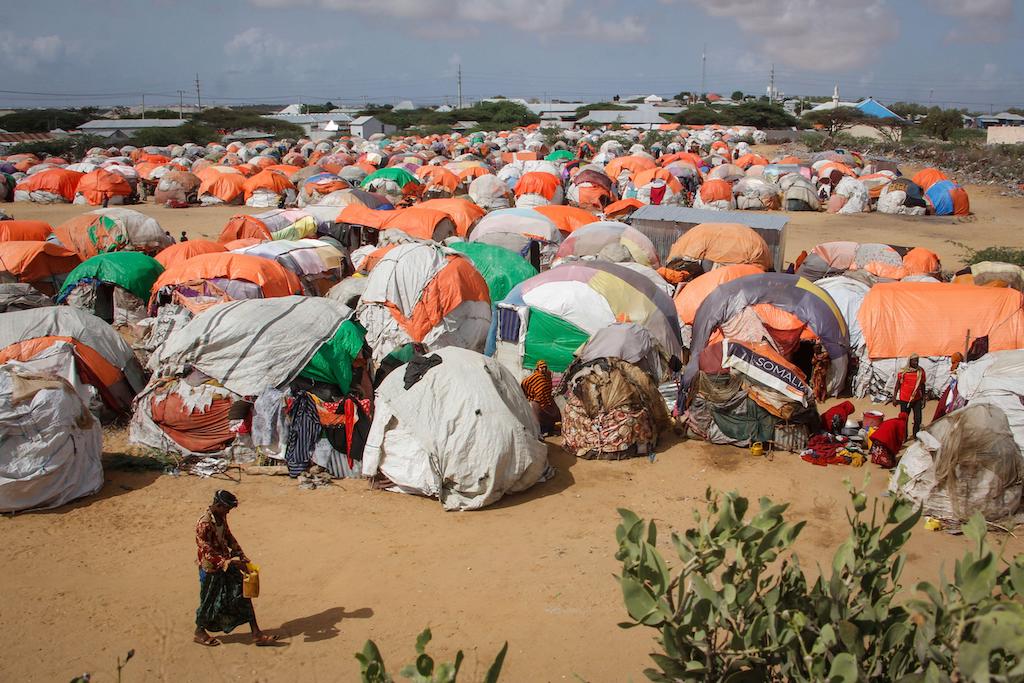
(963, 53)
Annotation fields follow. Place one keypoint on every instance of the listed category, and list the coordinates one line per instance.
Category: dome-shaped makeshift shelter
(488, 447)
(114, 287)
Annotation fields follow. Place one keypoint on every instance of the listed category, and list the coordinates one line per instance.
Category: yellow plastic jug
(251, 581)
(757, 449)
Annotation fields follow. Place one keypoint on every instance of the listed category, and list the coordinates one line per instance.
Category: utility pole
(181, 104)
(199, 97)
(460, 86)
(771, 86)
(703, 69)
(143, 106)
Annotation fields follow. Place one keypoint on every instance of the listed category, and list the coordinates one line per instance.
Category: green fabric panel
(501, 268)
(399, 175)
(752, 424)
(551, 339)
(129, 270)
(332, 362)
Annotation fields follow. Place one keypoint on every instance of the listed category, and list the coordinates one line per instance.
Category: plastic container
(757, 449)
(251, 581)
(873, 418)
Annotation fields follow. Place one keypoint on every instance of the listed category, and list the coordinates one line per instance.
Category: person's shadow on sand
(322, 626)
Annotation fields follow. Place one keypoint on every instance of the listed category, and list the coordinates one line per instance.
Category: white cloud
(817, 35)
(26, 54)
(257, 49)
(974, 9)
(978, 21)
(540, 17)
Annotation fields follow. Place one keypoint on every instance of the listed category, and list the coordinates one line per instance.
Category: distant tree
(701, 114)
(152, 114)
(737, 95)
(499, 97)
(940, 123)
(223, 119)
(834, 120)
(761, 115)
(44, 120)
(890, 128)
(187, 132)
(684, 96)
(584, 111)
(615, 99)
(636, 100)
(908, 110)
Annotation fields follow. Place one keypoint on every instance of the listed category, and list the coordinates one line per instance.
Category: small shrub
(739, 608)
(424, 670)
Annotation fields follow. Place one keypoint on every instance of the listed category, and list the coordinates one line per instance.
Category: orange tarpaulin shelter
(101, 185)
(267, 179)
(463, 212)
(567, 218)
(425, 224)
(716, 190)
(921, 261)
(272, 278)
(24, 231)
(357, 214)
(539, 183)
(723, 244)
(58, 181)
(623, 207)
(183, 251)
(939, 319)
(226, 187)
(244, 226)
(691, 296)
(652, 174)
(37, 263)
(633, 164)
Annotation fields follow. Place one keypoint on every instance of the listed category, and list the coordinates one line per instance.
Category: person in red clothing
(887, 440)
(909, 392)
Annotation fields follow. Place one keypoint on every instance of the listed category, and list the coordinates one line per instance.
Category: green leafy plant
(424, 670)
(739, 607)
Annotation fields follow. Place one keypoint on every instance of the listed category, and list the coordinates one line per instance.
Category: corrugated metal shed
(663, 225)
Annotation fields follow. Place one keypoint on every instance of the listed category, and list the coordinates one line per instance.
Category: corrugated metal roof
(300, 119)
(683, 214)
(121, 124)
(25, 137)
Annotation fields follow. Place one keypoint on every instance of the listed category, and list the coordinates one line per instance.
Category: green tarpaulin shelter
(130, 270)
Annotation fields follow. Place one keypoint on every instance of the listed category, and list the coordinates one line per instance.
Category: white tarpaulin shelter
(463, 433)
(50, 444)
(972, 459)
(253, 344)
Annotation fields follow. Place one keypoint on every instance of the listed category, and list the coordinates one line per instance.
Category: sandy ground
(90, 581)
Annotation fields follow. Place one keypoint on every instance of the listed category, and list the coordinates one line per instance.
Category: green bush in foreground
(739, 607)
(424, 670)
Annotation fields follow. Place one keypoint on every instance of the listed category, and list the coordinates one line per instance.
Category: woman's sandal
(264, 640)
(208, 641)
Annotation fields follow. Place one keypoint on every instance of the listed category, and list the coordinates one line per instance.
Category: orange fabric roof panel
(59, 181)
(692, 295)
(463, 212)
(415, 222)
(24, 231)
(961, 202)
(622, 207)
(183, 251)
(357, 214)
(267, 179)
(272, 278)
(567, 218)
(716, 190)
(921, 261)
(722, 243)
(633, 164)
(649, 175)
(538, 182)
(102, 184)
(927, 177)
(224, 186)
(939, 319)
(457, 282)
(244, 226)
(35, 261)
